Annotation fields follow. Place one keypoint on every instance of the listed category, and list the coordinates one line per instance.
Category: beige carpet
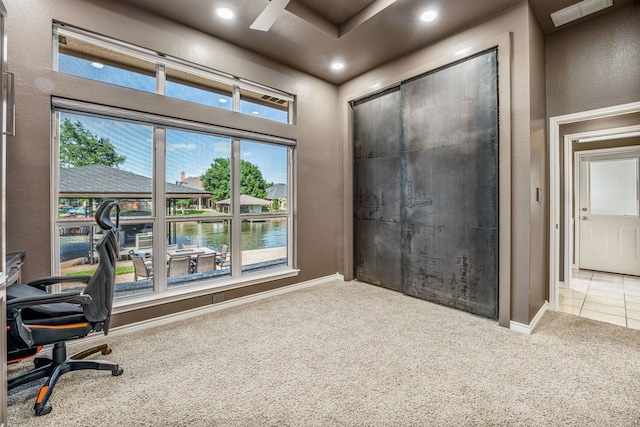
(351, 354)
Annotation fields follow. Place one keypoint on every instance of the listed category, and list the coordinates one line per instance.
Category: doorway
(561, 250)
(606, 216)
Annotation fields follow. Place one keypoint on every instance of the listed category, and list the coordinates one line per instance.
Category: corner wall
(591, 65)
(594, 64)
(29, 153)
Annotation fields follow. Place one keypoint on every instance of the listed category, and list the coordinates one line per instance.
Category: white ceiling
(310, 34)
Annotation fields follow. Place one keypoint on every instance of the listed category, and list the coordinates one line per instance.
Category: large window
(215, 219)
(202, 205)
(94, 57)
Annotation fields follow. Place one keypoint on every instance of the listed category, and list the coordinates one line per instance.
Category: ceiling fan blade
(265, 20)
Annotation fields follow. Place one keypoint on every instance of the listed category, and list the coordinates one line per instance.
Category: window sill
(152, 299)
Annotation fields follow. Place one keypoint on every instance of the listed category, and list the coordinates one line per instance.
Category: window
(195, 215)
(264, 174)
(202, 205)
(82, 59)
(83, 54)
(198, 89)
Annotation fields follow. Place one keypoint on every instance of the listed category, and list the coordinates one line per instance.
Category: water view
(271, 233)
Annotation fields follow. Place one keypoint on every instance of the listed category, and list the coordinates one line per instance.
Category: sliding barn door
(445, 186)
(377, 170)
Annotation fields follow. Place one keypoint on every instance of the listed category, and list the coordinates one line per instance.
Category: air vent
(273, 99)
(579, 10)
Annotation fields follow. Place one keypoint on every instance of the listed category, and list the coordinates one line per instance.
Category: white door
(609, 213)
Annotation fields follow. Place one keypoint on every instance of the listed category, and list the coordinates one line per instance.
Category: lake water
(255, 235)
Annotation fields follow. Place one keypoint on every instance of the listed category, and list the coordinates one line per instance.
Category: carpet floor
(352, 354)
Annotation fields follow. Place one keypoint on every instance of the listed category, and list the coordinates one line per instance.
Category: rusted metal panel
(437, 181)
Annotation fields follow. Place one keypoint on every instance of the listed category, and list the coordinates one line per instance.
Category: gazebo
(248, 204)
(98, 181)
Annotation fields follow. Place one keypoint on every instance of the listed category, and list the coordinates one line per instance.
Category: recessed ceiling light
(255, 112)
(225, 13)
(429, 15)
(337, 65)
(97, 65)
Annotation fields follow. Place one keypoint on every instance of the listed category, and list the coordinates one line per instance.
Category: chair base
(58, 364)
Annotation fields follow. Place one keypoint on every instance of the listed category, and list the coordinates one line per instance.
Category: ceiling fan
(265, 20)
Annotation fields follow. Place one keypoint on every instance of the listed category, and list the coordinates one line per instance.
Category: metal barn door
(426, 209)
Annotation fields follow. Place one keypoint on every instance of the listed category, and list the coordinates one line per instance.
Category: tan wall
(29, 153)
(516, 21)
(594, 64)
(539, 271)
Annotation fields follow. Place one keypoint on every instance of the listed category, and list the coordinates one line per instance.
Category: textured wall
(444, 225)
(594, 64)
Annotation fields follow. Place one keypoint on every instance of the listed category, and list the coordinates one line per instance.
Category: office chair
(36, 318)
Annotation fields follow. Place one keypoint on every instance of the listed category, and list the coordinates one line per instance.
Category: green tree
(79, 147)
(217, 179)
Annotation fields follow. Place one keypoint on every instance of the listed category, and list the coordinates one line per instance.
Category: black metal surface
(377, 169)
(434, 187)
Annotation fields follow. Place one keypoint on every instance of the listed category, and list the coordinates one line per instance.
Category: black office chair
(36, 318)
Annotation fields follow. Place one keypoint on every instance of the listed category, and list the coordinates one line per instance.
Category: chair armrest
(43, 282)
(68, 297)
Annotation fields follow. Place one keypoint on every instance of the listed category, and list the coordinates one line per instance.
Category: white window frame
(161, 294)
(164, 61)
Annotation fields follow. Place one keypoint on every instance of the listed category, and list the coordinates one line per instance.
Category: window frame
(161, 293)
(162, 62)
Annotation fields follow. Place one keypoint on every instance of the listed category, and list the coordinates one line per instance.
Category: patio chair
(142, 267)
(205, 262)
(172, 247)
(190, 246)
(223, 259)
(179, 266)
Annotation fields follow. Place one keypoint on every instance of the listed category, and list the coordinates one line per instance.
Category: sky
(188, 152)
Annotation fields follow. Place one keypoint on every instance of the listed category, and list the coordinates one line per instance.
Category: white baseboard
(170, 318)
(528, 329)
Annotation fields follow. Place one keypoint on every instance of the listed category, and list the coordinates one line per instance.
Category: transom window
(83, 54)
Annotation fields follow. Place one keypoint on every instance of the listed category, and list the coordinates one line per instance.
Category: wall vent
(579, 10)
(273, 99)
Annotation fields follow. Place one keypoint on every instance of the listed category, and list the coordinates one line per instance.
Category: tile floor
(611, 298)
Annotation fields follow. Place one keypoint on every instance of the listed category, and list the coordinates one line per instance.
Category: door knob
(584, 209)
(584, 218)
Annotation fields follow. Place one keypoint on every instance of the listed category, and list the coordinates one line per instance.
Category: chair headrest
(103, 215)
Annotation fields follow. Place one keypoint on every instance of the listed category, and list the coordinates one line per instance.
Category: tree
(217, 179)
(79, 147)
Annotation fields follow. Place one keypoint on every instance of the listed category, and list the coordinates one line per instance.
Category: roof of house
(246, 200)
(193, 182)
(103, 181)
(277, 191)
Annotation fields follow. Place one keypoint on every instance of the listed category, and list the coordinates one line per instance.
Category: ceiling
(310, 34)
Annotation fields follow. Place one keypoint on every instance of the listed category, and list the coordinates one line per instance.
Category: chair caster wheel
(117, 372)
(44, 410)
(107, 350)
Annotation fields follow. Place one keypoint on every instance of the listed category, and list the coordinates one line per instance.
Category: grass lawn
(123, 269)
